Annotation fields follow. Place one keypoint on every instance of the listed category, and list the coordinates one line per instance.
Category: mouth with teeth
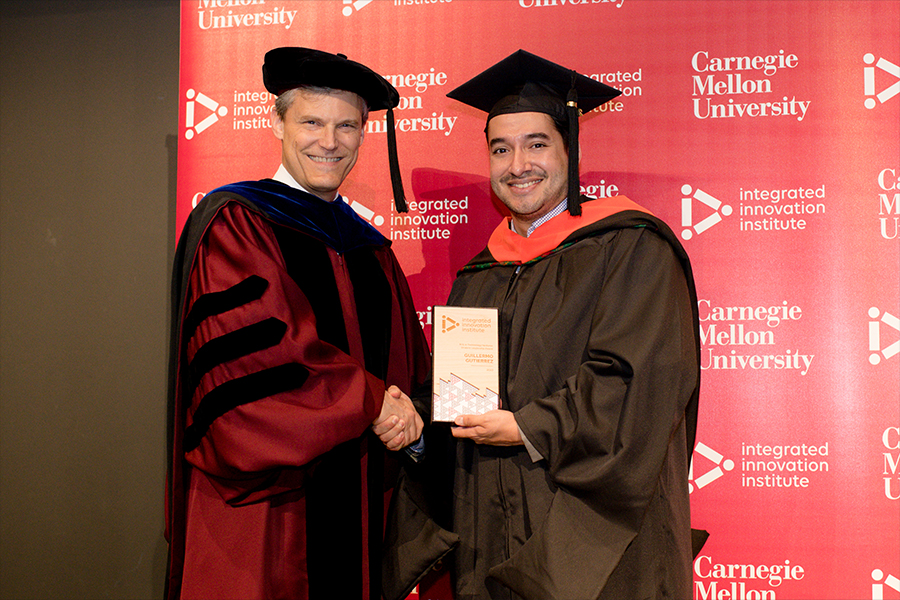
(523, 185)
(324, 159)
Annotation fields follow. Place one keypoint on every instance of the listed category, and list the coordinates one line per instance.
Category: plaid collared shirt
(560, 209)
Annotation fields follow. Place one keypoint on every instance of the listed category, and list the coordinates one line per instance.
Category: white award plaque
(466, 347)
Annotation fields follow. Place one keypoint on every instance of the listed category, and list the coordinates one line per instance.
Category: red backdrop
(765, 132)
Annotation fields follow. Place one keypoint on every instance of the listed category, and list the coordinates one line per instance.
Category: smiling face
(529, 165)
(320, 137)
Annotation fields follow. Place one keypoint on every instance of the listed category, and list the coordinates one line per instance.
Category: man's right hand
(398, 425)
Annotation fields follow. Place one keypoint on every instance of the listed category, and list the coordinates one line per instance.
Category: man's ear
(277, 125)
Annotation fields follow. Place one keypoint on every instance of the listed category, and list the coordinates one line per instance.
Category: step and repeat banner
(766, 133)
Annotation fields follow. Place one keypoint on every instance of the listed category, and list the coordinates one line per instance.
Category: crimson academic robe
(599, 361)
(291, 315)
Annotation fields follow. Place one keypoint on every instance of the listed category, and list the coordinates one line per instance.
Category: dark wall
(87, 174)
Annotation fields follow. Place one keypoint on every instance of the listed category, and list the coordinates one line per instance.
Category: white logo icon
(869, 80)
(358, 5)
(202, 99)
(883, 580)
(719, 463)
(875, 336)
(365, 212)
(687, 212)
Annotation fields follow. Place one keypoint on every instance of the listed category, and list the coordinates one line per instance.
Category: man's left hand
(495, 428)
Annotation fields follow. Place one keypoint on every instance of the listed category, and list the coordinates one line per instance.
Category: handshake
(398, 425)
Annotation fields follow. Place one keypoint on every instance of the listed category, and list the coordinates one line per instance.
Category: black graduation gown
(599, 354)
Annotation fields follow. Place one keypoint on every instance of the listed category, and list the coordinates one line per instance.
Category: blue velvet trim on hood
(334, 223)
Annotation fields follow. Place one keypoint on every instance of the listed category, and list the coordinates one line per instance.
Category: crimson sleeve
(268, 395)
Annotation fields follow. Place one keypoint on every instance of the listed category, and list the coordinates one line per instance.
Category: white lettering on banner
(891, 463)
(751, 109)
(771, 214)
(424, 316)
(772, 315)
(429, 219)
(257, 98)
(890, 467)
(725, 326)
(618, 81)
(883, 177)
(436, 122)
(760, 210)
(783, 194)
(617, 78)
(252, 110)
(613, 105)
(769, 65)
(210, 18)
(206, 4)
(725, 76)
(791, 360)
(889, 205)
(891, 440)
(724, 581)
(550, 3)
(420, 2)
(889, 491)
(418, 81)
(733, 84)
(779, 464)
(601, 190)
(735, 336)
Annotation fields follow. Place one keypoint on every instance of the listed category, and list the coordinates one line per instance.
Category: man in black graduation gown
(577, 487)
(293, 333)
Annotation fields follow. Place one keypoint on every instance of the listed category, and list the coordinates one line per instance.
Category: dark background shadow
(87, 193)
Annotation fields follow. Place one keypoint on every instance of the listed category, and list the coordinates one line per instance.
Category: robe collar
(334, 223)
(505, 245)
(285, 177)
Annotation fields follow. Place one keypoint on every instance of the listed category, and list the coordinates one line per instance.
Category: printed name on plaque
(466, 352)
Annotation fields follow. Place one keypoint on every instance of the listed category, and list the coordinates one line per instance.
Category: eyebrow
(539, 135)
(312, 117)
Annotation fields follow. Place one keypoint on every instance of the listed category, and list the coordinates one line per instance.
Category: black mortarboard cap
(524, 82)
(290, 67)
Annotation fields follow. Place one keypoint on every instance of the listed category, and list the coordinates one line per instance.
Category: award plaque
(466, 349)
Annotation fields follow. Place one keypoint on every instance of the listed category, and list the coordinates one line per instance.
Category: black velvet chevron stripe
(215, 303)
(240, 391)
(241, 342)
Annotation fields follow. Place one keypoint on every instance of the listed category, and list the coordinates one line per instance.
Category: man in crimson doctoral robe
(577, 487)
(293, 335)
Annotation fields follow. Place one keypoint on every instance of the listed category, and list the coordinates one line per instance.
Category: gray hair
(286, 99)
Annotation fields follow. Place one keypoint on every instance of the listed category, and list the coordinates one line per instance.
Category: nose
(328, 139)
(520, 163)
